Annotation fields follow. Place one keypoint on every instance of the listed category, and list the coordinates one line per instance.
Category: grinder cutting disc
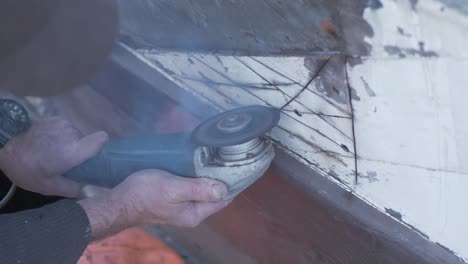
(236, 126)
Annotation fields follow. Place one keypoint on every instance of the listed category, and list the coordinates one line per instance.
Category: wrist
(107, 215)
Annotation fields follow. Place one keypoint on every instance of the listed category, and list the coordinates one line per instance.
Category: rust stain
(329, 27)
(351, 26)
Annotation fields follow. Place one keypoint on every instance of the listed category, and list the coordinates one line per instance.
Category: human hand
(36, 159)
(154, 197)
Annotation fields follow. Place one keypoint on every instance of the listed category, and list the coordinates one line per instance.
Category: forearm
(57, 233)
(107, 215)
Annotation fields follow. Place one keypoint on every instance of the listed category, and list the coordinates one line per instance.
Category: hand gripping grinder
(229, 147)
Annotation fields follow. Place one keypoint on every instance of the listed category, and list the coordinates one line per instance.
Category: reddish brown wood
(274, 221)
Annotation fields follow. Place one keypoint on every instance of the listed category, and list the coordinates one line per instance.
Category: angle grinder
(229, 147)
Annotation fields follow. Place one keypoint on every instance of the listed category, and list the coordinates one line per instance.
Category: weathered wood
(248, 27)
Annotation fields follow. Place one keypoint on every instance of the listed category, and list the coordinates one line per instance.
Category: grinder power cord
(14, 119)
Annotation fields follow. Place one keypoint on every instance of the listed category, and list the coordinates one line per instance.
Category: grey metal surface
(238, 169)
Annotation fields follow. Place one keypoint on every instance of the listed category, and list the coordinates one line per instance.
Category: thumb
(200, 190)
(88, 147)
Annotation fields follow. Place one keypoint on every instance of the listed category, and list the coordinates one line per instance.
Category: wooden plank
(244, 26)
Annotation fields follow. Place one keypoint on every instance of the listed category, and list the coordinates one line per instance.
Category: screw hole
(297, 112)
(336, 90)
(345, 148)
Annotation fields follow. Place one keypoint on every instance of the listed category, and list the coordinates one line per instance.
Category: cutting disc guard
(236, 126)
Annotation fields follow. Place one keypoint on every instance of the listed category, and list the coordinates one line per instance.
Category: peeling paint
(395, 214)
(374, 4)
(403, 52)
(402, 32)
(371, 176)
(414, 4)
(369, 90)
(460, 5)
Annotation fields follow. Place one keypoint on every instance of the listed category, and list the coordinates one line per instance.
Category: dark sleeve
(57, 233)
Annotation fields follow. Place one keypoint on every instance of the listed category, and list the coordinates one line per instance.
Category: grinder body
(120, 158)
(229, 147)
(237, 166)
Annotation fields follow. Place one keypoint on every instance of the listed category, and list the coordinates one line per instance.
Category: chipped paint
(459, 5)
(404, 52)
(369, 90)
(370, 176)
(375, 4)
(394, 214)
(413, 4)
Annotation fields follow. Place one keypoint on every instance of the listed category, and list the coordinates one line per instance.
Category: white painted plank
(431, 201)
(410, 120)
(399, 29)
(411, 128)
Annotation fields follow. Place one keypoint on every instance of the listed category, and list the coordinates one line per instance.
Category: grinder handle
(120, 158)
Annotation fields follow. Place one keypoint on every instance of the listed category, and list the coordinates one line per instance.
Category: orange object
(132, 246)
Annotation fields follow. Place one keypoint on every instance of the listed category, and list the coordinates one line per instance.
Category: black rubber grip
(120, 158)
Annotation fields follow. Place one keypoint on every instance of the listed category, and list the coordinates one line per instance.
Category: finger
(88, 146)
(200, 190)
(65, 188)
